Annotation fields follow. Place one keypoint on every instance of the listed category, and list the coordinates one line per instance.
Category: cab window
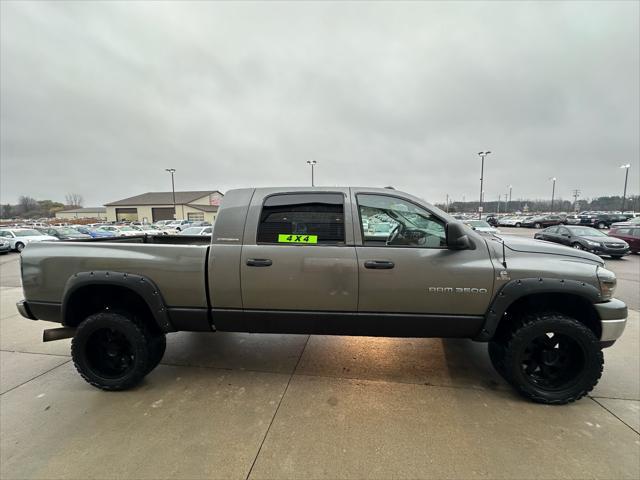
(305, 218)
(391, 221)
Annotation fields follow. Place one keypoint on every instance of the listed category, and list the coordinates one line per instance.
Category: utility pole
(482, 155)
(576, 194)
(499, 200)
(447, 204)
(510, 187)
(553, 191)
(313, 163)
(172, 171)
(626, 177)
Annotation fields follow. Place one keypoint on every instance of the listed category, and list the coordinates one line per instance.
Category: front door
(302, 257)
(409, 269)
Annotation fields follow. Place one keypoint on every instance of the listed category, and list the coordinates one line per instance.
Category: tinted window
(551, 230)
(306, 218)
(391, 221)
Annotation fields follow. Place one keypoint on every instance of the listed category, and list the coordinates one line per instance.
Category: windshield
(587, 232)
(27, 233)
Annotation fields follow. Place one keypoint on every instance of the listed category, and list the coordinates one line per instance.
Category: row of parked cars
(592, 219)
(17, 237)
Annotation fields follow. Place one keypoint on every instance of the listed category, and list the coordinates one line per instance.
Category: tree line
(29, 207)
(610, 203)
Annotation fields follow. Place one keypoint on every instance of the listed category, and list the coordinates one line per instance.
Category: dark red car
(630, 234)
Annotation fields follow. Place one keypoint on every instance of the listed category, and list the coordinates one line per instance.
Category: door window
(391, 221)
(305, 218)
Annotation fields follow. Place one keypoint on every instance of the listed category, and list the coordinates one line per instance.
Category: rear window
(305, 218)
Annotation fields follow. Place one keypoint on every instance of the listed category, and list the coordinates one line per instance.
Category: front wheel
(552, 358)
(518, 225)
(19, 247)
(113, 352)
(601, 225)
(577, 246)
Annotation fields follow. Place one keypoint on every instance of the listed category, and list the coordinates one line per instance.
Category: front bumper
(613, 318)
(604, 250)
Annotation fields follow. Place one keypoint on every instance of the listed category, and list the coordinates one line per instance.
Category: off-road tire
(587, 356)
(157, 347)
(92, 357)
(496, 355)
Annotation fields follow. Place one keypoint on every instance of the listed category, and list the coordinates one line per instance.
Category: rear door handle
(259, 262)
(379, 264)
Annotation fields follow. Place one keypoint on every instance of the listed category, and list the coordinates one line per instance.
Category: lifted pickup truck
(311, 261)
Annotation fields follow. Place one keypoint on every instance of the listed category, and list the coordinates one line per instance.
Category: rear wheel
(518, 224)
(601, 225)
(113, 352)
(551, 358)
(537, 225)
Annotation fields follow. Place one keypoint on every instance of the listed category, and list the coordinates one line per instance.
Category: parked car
(5, 246)
(149, 229)
(93, 232)
(602, 220)
(178, 225)
(481, 226)
(285, 260)
(66, 233)
(543, 221)
(197, 231)
(631, 222)
(492, 220)
(19, 238)
(585, 238)
(573, 220)
(630, 234)
(120, 230)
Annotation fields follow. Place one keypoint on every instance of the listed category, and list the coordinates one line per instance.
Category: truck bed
(175, 264)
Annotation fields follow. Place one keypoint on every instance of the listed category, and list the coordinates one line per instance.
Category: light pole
(482, 155)
(508, 202)
(553, 191)
(172, 171)
(447, 204)
(313, 163)
(626, 177)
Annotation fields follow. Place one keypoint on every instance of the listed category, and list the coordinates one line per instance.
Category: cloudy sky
(98, 98)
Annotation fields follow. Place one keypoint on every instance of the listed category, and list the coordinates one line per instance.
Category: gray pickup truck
(343, 261)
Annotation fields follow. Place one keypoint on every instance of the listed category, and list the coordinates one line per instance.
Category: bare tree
(27, 204)
(74, 199)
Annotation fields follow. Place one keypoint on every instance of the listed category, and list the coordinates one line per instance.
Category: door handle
(259, 262)
(379, 264)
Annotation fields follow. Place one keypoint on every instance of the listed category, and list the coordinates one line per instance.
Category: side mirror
(457, 238)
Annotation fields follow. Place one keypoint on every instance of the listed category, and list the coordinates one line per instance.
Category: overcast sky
(98, 98)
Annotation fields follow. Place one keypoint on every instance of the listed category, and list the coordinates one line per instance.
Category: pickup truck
(298, 260)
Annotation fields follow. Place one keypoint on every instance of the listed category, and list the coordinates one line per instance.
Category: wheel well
(91, 299)
(574, 306)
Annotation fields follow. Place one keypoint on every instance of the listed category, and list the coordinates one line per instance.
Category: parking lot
(230, 405)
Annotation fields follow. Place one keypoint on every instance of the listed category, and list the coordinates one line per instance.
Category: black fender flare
(516, 289)
(138, 284)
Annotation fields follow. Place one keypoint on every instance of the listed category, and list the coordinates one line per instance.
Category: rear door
(301, 256)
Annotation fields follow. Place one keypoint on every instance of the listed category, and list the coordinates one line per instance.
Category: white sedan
(18, 238)
(197, 231)
(481, 226)
(149, 229)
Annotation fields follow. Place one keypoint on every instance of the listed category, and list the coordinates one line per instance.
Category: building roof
(85, 210)
(204, 208)
(163, 198)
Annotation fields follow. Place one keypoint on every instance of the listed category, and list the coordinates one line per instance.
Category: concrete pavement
(286, 406)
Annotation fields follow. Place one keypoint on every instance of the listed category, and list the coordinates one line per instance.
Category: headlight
(593, 244)
(608, 282)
